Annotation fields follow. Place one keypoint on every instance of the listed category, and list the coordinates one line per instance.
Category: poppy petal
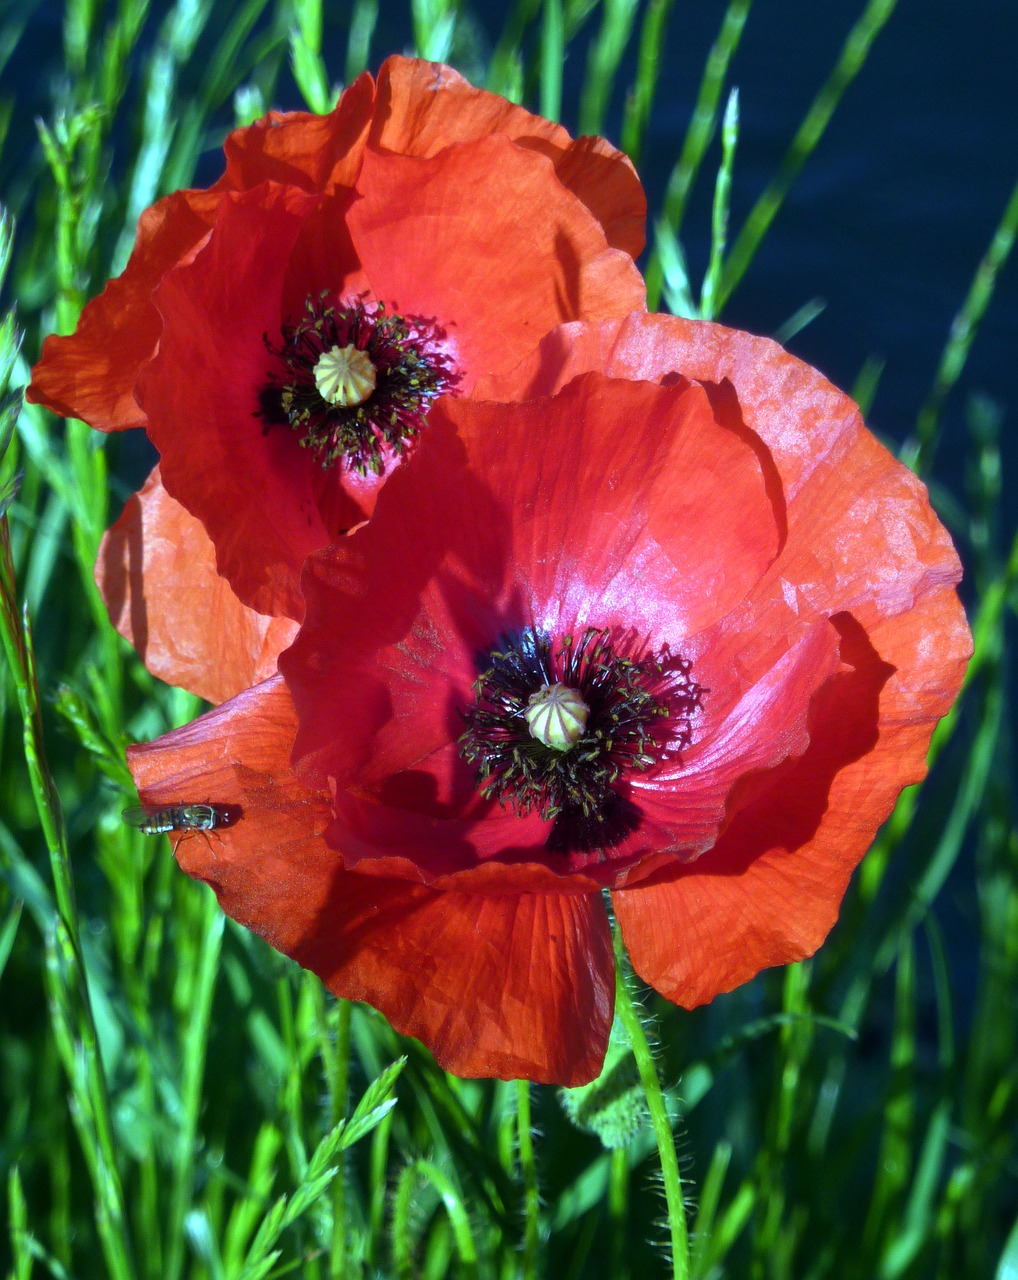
(510, 986)
(200, 638)
(769, 725)
(770, 890)
(861, 534)
(254, 489)
(90, 374)
(430, 252)
(301, 149)
(269, 867)
(413, 118)
(435, 579)
(399, 614)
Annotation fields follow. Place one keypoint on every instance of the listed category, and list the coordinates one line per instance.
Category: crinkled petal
(486, 849)
(271, 865)
(861, 534)
(256, 491)
(517, 986)
(314, 153)
(381, 612)
(770, 891)
(322, 260)
(424, 107)
(484, 240)
(554, 539)
(769, 725)
(156, 572)
(90, 374)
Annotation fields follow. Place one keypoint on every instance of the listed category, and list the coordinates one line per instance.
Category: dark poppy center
(557, 725)
(355, 381)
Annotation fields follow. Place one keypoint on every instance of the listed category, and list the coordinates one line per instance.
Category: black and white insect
(180, 820)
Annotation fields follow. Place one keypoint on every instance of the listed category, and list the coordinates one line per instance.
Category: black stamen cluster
(640, 710)
(410, 373)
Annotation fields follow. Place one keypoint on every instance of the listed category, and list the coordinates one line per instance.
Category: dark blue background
(894, 210)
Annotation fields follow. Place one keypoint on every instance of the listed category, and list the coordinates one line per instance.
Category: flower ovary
(557, 716)
(636, 712)
(345, 376)
(356, 383)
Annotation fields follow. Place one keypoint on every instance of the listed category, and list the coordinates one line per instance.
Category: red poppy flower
(683, 639)
(281, 335)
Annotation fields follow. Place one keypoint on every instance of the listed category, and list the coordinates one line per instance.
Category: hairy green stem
(625, 1007)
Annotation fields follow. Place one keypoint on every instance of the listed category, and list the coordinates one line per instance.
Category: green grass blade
(798, 320)
(1007, 1267)
(8, 933)
(434, 27)
(722, 203)
(671, 258)
(853, 54)
(88, 1079)
(964, 327)
(322, 1168)
(640, 98)
(698, 136)
(306, 60)
(552, 58)
(506, 65)
(864, 388)
(405, 1201)
(17, 1215)
(363, 22)
(197, 999)
(603, 59)
(707, 1208)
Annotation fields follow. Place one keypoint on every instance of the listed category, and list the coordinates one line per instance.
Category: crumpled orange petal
(424, 107)
(196, 633)
(255, 491)
(482, 238)
(770, 890)
(415, 108)
(418, 192)
(513, 986)
(91, 373)
(314, 153)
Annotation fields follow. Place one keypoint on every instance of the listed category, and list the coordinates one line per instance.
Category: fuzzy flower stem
(531, 1191)
(626, 1008)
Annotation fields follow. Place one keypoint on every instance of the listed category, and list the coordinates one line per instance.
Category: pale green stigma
(557, 716)
(345, 376)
